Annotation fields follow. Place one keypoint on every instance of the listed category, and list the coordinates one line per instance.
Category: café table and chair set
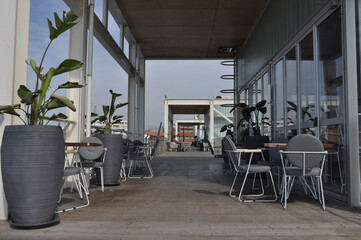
(83, 158)
(302, 159)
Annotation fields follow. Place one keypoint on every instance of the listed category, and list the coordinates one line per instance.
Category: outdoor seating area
(188, 199)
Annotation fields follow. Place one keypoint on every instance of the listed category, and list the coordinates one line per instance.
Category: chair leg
(102, 178)
(86, 196)
(284, 193)
(234, 180)
(256, 195)
(321, 194)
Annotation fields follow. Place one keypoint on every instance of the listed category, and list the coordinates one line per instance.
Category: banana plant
(108, 117)
(36, 104)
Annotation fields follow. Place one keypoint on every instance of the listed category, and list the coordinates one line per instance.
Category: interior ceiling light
(226, 49)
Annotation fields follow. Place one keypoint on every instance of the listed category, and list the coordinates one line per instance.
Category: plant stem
(35, 110)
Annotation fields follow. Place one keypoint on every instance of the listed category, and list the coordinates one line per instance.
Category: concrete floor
(188, 199)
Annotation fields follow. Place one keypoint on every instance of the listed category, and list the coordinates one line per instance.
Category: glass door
(307, 85)
(331, 100)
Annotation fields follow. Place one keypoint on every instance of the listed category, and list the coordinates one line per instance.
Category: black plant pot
(113, 159)
(32, 166)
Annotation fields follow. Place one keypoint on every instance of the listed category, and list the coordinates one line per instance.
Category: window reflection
(307, 82)
(279, 95)
(330, 67)
(291, 92)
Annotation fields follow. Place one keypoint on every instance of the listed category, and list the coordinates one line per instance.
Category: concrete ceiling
(190, 29)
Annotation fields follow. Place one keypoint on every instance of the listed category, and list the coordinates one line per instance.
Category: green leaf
(93, 114)
(68, 103)
(61, 26)
(112, 107)
(67, 65)
(102, 118)
(261, 104)
(117, 117)
(263, 110)
(55, 103)
(105, 110)
(10, 109)
(94, 120)
(59, 115)
(36, 69)
(71, 85)
(120, 105)
(45, 84)
(26, 96)
(117, 121)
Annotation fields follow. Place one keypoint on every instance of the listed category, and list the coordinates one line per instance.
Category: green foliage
(252, 120)
(37, 103)
(228, 128)
(108, 117)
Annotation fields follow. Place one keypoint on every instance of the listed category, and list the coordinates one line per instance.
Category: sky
(171, 78)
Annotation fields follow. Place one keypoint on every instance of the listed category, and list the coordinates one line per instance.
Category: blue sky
(176, 78)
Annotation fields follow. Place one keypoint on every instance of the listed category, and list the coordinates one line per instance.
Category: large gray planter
(32, 166)
(113, 159)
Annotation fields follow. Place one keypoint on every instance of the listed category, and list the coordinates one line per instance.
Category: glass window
(267, 97)
(279, 115)
(307, 83)
(291, 84)
(330, 67)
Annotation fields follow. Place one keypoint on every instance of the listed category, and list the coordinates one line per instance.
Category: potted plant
(113, 142)
(32, 155)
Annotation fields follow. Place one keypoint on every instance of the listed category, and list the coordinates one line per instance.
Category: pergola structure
(275, 43)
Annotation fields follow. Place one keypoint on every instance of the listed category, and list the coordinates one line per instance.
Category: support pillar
(132, 95)
(14, 40)
(353, 164)
(211, 121)
(166, 121)
(77, 41)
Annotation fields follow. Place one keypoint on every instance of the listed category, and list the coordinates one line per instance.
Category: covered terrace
(301, 56)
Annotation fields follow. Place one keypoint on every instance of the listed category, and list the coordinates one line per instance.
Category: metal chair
(275, 160)
(78, 178)
(93, 157)
(139, 162)
(306, 157)
(241, 166)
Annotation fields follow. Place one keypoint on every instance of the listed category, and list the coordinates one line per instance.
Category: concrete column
(77, 40)
(353, 164)
(141, 124)
(176, 131)
(211, 121)
(166, 122)
(132, 95)
(14, 24)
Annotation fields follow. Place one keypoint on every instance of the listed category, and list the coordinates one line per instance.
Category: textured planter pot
(32, 166)
(113, 159)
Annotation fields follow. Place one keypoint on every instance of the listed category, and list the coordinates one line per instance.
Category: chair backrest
(92, 152)
(274, 152)
(229, 145)
(305, 143)
(254, 142)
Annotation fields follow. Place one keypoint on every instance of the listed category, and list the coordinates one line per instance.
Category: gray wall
(280, 21)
